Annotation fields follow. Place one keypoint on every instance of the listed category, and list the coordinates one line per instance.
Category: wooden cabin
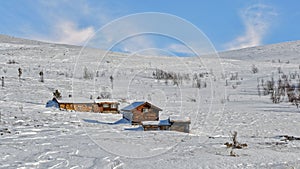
(106, 106)
(75, 105)
(174, 123)
(156, 125)
(141, 111)
(97, 106)
(180, 123)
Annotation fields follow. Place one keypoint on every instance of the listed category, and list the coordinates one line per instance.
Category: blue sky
(229, 24)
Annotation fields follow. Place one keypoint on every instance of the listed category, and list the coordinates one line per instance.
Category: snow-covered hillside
(218, 103)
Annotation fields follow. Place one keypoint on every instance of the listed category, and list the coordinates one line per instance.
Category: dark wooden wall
(139, 116)
(87, 107)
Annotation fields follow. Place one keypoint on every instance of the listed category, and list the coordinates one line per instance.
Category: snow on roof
(178, 118)
(132, 106)
(157, 123)
(137, 104)
(105, 101)
(75, 100)
(84, 100)
(164, 122)
(154, 123)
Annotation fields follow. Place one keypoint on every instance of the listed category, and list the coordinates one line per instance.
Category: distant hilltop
(277, 51)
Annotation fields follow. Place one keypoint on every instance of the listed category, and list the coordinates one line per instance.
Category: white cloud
(257, 20)
(123, 35)
(180, 48)
(65, 32)
(136, 43)
(138, 34)
(68, 22)
(69, 33)
(142, 45)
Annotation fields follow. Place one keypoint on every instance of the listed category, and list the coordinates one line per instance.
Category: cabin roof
(105, 101)
(179, 119)
(152, 123)
(134, 105)
(156, 123)
(75, 100)
(84, 100)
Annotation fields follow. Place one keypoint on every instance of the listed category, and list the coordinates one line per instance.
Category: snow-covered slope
(33, 136)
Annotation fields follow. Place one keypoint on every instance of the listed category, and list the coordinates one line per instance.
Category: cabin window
(145, 110)
(106, 105)
(113, 106)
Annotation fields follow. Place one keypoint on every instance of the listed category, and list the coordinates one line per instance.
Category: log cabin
(141, 111)
(156, 125)
(173, 123)
(106, 106)
(97, 106)
(180, 123)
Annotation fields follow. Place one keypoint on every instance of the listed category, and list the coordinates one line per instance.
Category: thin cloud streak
(257, 20)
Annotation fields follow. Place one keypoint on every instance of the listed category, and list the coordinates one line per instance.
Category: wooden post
(2, 81)
(20, 73)
(42, 76)
(112, 82)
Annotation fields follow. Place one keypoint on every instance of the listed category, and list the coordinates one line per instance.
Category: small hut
(156, 125)
(180, 123)
(106, 106)
(82, 105)
(174, 123)
(141, 111)
(86, 105)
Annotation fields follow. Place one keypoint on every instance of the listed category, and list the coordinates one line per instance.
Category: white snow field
(33, 136)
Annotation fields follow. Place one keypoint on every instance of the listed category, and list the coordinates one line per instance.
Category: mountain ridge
(284, 48)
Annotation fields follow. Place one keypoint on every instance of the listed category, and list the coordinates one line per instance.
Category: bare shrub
(287, 87)
(254, 69)
(20, 72)
(87, 74)
(57, 94)
(234, 144)
(104, 95)
(12, 62)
